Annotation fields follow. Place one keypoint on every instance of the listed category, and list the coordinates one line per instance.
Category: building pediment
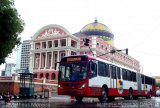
(50, 31)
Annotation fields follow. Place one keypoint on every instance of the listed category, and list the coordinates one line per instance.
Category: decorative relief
(51, 32)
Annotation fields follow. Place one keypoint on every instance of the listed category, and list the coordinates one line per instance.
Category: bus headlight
(59, 86)
(84, 85)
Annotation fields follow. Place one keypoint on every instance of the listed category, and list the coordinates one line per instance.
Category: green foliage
(158, 84)
(11, 25)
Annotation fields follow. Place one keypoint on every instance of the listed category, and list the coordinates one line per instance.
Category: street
(67, 102)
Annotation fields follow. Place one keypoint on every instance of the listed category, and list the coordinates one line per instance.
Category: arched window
(41, 75)
(97, 44)
(53, 76)
(102, 46)
(47, 75)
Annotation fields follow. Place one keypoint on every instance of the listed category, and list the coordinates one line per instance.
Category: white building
(9, 69)
(18, 59)
(25, 51)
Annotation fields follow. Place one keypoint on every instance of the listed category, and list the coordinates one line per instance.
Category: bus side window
(118, 73)
(102, 69)
(113, 71)
(107, 70)
(93, 69)
(129, 75)
(124, 74)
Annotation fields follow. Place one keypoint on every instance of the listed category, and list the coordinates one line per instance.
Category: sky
(134, 23)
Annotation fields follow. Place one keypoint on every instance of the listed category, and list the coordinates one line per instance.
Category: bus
(87, 76)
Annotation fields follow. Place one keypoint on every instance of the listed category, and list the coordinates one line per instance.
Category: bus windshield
(72, 71)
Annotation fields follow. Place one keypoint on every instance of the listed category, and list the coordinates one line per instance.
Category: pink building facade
(53, 42)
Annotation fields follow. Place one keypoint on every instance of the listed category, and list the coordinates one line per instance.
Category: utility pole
(141, 69)
(86, 43)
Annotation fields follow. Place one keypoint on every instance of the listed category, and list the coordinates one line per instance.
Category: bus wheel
(111, 98)
(135, 97)
(104, 96)
(78, 98)
(130, 97)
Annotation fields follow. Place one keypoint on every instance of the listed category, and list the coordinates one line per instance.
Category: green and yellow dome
(98, 29)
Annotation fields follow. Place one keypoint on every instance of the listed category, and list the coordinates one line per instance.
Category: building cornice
(53, 49)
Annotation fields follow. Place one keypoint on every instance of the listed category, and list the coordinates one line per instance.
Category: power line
(145, 53)
(145, 38)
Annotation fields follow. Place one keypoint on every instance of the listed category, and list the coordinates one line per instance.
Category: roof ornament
(95, 21)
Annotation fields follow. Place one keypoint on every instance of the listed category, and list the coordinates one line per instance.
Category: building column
(40, 60)
(51, 60)
(66, 41)
(57, 60)
(46, 61)
(57, 56)
(41, 45)
(69, 52)
(66, 52)
(46, 44)
(52, 43)
(69, 42)
(33, 60)
(59, 44)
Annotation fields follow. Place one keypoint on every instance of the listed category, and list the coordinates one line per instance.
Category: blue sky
(134, 23)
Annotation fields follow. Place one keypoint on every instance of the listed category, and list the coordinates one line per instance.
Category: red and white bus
(87, 76)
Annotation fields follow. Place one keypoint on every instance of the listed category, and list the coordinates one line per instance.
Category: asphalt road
(67, 102)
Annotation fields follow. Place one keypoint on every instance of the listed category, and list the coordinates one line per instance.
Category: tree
(158, 84)
(11, 25)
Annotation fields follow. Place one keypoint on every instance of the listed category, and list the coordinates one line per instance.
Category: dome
(98, 29)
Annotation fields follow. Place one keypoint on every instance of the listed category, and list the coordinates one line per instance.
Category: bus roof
(105, 61)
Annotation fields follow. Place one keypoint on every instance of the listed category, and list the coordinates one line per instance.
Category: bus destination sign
(73, 59)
